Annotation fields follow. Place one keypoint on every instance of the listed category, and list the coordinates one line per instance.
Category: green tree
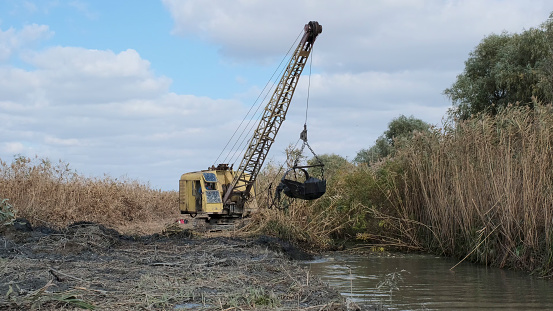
(403, 127)
(381, 149)
(399, 129)
(505, 69)
(333, 163)
(546, 73)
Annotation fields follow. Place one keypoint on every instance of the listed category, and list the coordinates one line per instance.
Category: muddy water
(425, 282)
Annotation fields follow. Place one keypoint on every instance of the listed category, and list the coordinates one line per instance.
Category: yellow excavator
(221, 194)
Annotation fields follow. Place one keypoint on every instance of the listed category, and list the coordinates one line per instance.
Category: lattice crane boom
(273, 116)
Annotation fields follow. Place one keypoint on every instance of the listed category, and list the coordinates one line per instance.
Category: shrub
(7, 212)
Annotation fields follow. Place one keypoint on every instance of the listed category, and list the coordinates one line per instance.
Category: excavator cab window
(212, 195)
(210, 177)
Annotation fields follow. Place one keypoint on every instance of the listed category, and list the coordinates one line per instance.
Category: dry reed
(54, 195)
(484, 187)
(313, 224)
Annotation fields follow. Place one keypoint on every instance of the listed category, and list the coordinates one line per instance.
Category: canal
(425, 282)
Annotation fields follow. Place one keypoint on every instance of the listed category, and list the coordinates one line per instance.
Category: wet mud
(89, 266)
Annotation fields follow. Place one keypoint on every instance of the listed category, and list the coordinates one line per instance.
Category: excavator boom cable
(256, 103)
(221, 193)
(273, 116)
(250, 127)
(308, 85)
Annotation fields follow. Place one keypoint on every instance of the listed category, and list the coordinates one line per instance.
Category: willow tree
(505, 69)
(399, 129)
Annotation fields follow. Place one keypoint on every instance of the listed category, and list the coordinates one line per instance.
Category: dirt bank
(89, 266)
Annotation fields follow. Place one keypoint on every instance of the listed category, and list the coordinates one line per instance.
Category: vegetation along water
(477, 188)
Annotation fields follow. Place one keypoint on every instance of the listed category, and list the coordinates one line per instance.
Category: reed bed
(313, 224)
(52, 194)
(483, 189)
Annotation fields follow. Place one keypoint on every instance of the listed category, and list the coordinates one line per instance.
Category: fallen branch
(56, 274)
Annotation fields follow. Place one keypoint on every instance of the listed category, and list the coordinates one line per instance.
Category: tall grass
(349, 208)
(484, 188)
(313, 224)
(54, 195)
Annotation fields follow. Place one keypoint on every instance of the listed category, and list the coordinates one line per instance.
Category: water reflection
(424, 282)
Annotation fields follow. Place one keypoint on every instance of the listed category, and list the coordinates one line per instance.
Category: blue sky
(154, 89)
(143, 26)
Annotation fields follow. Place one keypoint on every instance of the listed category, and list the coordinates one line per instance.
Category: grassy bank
(52, 194)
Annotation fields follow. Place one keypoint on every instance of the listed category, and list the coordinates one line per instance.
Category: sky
(149, 90)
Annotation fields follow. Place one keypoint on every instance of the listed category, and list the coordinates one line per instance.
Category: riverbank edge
(87, 265)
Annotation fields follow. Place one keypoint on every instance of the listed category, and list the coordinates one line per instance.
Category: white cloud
(70, 75)
(13, 147)
(83, 8)
(374, 60)
(12, 40)
(108, 111)
(86, 62)
(50, 140)
(357, 35)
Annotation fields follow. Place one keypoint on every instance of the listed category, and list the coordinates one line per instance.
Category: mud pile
(88, 266)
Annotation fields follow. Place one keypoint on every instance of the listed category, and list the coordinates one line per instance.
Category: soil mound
(279, 246)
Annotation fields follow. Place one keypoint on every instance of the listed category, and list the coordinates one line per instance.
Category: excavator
(221, 194)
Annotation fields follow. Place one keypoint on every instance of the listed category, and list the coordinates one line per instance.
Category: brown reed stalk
(488, 172)
(52, 194)
(314, 224)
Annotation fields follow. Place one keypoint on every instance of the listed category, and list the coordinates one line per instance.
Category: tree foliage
(399, 129)
(378, 151)
(333, 163)
(505, 69)
(403, 127)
